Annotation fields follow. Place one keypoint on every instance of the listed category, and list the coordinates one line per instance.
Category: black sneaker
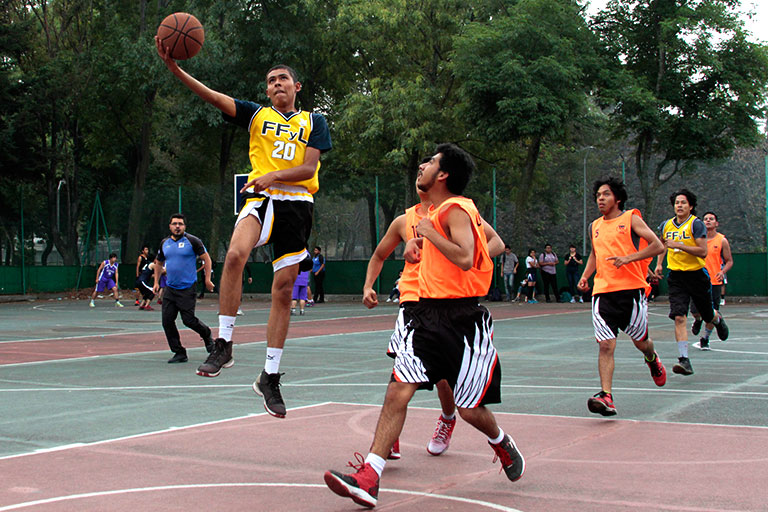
(512, 460)
(179, 357)
(704, 344)
(722, 329)
(683, 366)
(267, 386)
(220, 357)
(696, 327)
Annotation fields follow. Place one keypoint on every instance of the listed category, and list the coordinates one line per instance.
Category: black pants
(319, 291)
(181, 301)
(547, 281)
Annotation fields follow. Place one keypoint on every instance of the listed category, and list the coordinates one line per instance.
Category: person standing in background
(572, 263)
(548, 264)
(318, 271)
(509, 263)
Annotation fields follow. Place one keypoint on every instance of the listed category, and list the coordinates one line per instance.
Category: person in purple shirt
(106, 279)
(300, 292)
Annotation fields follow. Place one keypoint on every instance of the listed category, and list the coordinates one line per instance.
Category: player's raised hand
(165, 53)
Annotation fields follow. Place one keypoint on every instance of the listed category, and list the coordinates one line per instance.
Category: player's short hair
(710, 213)
(458, 164)
(318, 248)
(690, 196)
(571, 246)
(617, 187)
(530, 250)
(178, 216)
(289, 69)
(547, 245)
(112, 255)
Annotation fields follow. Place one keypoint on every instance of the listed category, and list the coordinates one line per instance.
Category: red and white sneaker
(362, 486)
(394, 452)
(602, 403)
(441, 438)
(658, 372)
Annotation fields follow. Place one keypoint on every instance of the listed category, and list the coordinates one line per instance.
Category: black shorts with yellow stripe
(285, 215)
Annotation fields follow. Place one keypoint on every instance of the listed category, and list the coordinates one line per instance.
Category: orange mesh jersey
(439, 278)
(409, 281)
(614, 237)
(714, 261)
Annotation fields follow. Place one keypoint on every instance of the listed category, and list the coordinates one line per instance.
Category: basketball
(182, 34)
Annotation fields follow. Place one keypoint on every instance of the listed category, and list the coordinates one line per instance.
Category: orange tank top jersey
(714, 260)
(441, 279)
(409, 281)
(613, 237)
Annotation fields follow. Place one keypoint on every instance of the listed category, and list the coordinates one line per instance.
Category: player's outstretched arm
(393, 237)
(219, 100)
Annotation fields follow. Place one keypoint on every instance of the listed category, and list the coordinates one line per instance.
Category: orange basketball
(182, 34)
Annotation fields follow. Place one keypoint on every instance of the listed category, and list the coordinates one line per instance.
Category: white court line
(486, 504)
(146, 434)
(759, 394)
(124, 333)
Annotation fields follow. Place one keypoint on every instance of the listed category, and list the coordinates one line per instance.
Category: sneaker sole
(345, 490)
(680, 370)
(255, 388)
(203, 373)
(435, 452)
(394, 456)
(599, 407)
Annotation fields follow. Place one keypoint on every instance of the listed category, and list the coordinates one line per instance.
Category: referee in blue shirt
(179, 253)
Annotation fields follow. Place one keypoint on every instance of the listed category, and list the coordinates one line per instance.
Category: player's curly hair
(617, 187)
(458, 164)
(689, 196)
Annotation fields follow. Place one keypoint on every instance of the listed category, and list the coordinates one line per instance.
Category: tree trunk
(140, 178)
(528, 169)
(219, 212)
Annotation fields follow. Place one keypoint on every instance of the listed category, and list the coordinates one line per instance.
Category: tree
(526, 73)
(686, 84)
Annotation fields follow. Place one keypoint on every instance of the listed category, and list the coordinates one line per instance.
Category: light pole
(584, 212)
(58, 210)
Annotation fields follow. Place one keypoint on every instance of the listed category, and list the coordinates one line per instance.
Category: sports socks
(226, 326)
(707, 333)
(682, 348)
(498, 438)
(449, 418)
(376, 462)
(272, 363)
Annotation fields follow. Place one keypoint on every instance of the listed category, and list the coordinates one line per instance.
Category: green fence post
(23, 264)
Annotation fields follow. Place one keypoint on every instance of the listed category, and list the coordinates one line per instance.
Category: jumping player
(106, 279)
(622, 248)
(455, 270)
(402, 229)
(685, 238)
(718, 262)
(285, 147)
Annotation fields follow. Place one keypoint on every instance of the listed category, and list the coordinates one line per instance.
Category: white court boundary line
(70, 497)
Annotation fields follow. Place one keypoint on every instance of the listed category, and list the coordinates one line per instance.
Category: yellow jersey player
(284, 150)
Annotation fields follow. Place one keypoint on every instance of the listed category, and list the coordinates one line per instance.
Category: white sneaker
(389, 300)
(92, 304)
(441, 438)
(722, 302)
(118, 305)
(240, 312)
(581, 299)
(573, 300)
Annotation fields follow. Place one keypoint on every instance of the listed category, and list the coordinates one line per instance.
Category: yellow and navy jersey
(279, 141)
(691, 229)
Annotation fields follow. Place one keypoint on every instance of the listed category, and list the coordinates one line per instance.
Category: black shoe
(220, 357)
(722, 329)
(209, 344)
(704, 344)
(268, 387)
(683, 366)
(305, 264)
(179, 357)
(511, 459)
(696, 327)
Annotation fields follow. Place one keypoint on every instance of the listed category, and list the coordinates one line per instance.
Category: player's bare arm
(700, 249)
(219, 100)
(207, 269)
(495, 243)
(98, 271)
(301, 172)
(654, 248)
(392, 238)
(589, 269)
(727, 259)
(460, 247)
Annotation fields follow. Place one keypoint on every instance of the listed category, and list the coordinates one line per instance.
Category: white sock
(682, 348)
(452, 416)
(498, 438)
(707, 333)
(376, 462)
(226, 326)
(272, 363)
